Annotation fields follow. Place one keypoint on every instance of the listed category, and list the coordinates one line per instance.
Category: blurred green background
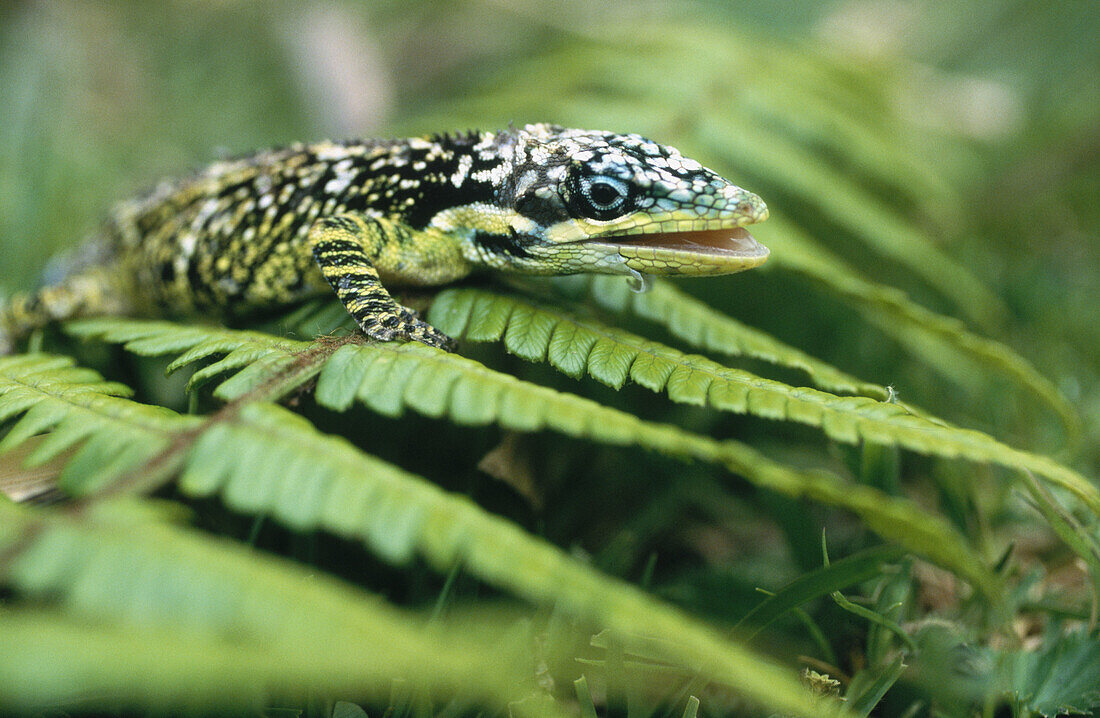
(948, 150)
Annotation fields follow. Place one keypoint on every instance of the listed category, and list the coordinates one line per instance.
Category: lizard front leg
(348, 248)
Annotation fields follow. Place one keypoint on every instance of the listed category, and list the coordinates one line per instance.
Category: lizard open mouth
(733, 242)
(704, 252)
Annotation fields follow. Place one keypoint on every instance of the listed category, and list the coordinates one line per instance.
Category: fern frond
(45, 660)
(271, 461)
(267, 460)
(575, 345)
(48, 660)
(944, 342)
(79, 408)
(325, 486)
(780, 86)
(819, 121)
(689, 319)
(207, 595)
(836, 197)
(391, 378)
(256, 357)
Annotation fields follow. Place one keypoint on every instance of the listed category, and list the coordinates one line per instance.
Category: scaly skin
(279, 226)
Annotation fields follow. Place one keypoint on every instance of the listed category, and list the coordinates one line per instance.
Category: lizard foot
(405, 325)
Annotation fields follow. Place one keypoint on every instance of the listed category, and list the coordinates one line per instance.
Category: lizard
(358, 217)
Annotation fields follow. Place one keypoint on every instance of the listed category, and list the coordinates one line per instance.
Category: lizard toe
(425, 333)
(405, 326)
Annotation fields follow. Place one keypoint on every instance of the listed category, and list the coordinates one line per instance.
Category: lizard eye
(605, 195)
(599, 197)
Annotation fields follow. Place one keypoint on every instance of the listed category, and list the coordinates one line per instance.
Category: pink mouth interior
(736, 241)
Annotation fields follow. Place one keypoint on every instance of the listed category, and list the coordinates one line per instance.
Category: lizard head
(588, 201)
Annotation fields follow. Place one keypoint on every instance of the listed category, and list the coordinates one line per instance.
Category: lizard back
(234, 236)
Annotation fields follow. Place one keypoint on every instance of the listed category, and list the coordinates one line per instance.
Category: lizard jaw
(691, 252)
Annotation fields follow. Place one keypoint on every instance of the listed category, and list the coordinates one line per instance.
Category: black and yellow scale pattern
(356, 217)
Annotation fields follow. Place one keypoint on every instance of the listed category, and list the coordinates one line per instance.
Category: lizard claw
(427, 334)
(420, 331)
